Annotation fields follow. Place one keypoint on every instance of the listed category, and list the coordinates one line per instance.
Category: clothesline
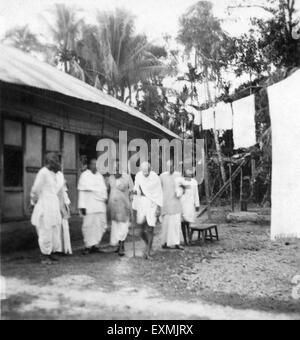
(238, 116)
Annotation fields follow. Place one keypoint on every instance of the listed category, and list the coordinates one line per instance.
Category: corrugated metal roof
(17, 67)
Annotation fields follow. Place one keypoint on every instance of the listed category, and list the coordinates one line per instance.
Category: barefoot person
(46, 216)
(190, 204)
(92, 206)
(172, 186)
(120, 187)
(147, 203)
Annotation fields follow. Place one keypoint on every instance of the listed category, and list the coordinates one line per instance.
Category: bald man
(147, 203)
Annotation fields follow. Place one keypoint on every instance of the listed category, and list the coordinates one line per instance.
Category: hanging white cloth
(244, 134)
(284, 103)
(208, 119)
(223, 116)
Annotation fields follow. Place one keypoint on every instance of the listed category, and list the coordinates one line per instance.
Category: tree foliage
(201, 34)
(22, 38)
(276, 41)
(115, 57)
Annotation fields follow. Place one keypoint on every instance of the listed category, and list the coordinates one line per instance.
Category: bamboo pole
(253, 168)
(216, 134)
(225, 186)
(231, 188)
(1, 165)
(241, 190)
(133, 234)
(207, 189)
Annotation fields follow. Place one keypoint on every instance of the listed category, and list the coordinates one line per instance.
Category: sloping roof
(17, 67)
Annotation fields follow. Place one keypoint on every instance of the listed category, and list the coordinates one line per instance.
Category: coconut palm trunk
(216, 138)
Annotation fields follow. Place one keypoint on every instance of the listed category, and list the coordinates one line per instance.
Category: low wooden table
(206, 232)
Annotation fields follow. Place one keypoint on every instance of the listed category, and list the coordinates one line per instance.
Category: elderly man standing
(92, 206)
(46, 216)
(147, 203)
(172, 185)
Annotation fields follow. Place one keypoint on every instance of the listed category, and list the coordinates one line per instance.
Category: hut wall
(32, 124)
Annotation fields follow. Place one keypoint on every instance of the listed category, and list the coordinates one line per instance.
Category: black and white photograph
(149, 162)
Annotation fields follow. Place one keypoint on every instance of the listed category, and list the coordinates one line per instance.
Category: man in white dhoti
(46, 216)
(120, 187)
(172, 186)
(190, 203)
(147, 203)
(92, 206)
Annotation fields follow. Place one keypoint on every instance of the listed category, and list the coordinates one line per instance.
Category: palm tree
(114, 56)
(65, 32)
(202, 35)
(22, 38)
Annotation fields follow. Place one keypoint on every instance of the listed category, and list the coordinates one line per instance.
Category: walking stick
(133, 232)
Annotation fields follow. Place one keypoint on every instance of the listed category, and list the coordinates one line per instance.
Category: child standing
(190, 204)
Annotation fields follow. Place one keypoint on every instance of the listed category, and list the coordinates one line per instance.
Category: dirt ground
(243, 276)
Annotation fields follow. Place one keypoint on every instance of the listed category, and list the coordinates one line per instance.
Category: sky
(153, 17)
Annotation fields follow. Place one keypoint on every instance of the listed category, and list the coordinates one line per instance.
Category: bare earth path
(243, 276)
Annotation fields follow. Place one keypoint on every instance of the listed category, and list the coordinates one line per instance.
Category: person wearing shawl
(46, 216)
(92, 206)
(173, 186)
(120, 187)
(190, 203)
(147, 203)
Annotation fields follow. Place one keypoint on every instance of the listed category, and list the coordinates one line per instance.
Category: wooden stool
(206, 232)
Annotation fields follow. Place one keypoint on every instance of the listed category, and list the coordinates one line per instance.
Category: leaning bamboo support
(224, 187)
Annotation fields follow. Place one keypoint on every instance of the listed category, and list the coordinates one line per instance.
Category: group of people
(170, 198)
